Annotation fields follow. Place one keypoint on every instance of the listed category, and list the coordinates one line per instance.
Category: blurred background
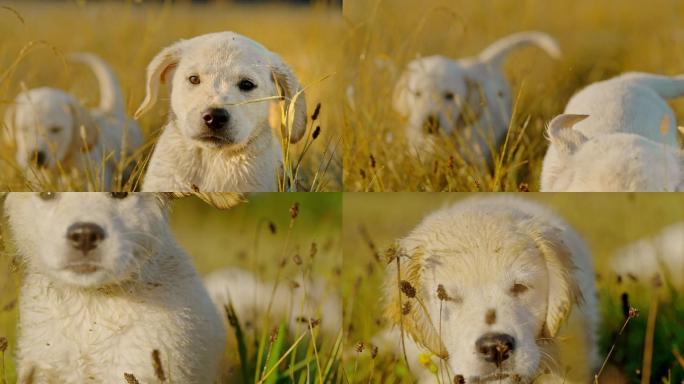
(35, 36)
(607, 222)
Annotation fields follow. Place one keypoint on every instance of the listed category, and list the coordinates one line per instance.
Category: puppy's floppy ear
(400, 96)
(405, 270)
(85, 131)
(8, 128)
(295, 101)
(564, 290)
(158, 72)
(561, 134)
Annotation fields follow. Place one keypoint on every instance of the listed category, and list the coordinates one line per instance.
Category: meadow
(372, 222)
(263, 236)
(599, 39)
(36, 36)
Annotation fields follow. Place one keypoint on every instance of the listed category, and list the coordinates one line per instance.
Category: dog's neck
(242, 168)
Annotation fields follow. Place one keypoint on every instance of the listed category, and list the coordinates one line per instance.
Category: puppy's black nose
(216, 118)
(39, 158)
(85, 236)
(495, 347)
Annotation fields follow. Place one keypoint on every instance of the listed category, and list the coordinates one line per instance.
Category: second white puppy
(51, 129)
(105, 285)
(469, 98)
(218, 137)
(617, 135)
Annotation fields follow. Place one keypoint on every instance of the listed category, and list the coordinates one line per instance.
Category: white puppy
(617, 135)
(250, 298)
(105, 284)
(467, 98)
(52, 130)
(658, 257)
(218, 137)
(496, 289)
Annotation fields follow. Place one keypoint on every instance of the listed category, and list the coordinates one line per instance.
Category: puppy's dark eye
(246, 85)
(55, 130)
(47, 195)
(518, 288)
(194, 79)
(119, 195)
(449, 96)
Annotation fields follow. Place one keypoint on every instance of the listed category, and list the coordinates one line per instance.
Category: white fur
(54, 122)
(243, 157)
(141, 293)
(478, 249)
(659, 256)
(627, 143)
(470, 98)
(250, 298)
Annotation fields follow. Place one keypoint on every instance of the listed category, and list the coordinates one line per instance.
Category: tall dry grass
(599, 39)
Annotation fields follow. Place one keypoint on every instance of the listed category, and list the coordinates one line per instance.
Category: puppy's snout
(39, 158)
(216, 118)
(85, 236)
(495, 347)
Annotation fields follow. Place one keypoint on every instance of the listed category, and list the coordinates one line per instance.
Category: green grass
(599, 39)
(372, 222)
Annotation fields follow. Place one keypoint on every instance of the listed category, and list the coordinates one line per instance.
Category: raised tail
(665, 86)
(497, 52)
(111, 100)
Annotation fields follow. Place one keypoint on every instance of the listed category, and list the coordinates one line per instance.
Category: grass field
(372, 222)
(599, 39)
(259, 236)
(37, 35)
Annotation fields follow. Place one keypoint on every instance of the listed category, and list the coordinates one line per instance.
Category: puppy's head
(611, 162)
(87, 239)
(220, 89)
(48, 124)
(491, 286)
(433, 93)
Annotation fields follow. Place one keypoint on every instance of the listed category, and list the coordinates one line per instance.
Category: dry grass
(372, 222)
(599, 39)
(36, 36)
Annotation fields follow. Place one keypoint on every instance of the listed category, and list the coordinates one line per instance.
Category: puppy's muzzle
(495, 347)
(216, 119)
(38, 158)
(85, 237)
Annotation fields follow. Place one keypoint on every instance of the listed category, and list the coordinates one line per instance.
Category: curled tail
(497, 52)
(665, 86)
(111, 100)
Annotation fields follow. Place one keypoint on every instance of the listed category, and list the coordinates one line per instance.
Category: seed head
(373, 351)
(523, 187)
(272, 227)
(130, 378)
(316, 132)
(633, 312)
(359, 347)
(407, 288)
(297, 259)
(3, 344)
(406, 308)
(313, 250)
(441, 293)
(294, 210)
(317, 110)
(372, 161)
(156, 363)
(459, 379)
